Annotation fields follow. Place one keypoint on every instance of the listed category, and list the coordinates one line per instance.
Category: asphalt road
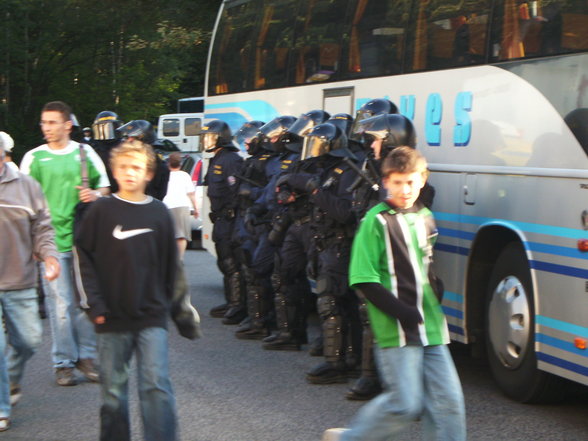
(232, 390)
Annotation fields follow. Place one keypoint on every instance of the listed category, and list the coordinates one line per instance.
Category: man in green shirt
(390, 262)
(56, 166)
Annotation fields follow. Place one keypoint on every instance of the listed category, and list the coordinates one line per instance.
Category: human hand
(87, 194)
(100, 320)
(52, 268)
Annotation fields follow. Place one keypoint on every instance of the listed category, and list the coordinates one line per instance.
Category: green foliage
(135, 57)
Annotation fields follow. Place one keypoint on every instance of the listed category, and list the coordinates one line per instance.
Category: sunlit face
(54, 127)
(403, 188)
(130, 172)
(377, 147)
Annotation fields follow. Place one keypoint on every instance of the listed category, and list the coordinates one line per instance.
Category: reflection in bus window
(273, 43)
(377, 37)
(192, 126)
(171, 127)
(319, 32)
(448, 35)
(525, 29)
(234, 50)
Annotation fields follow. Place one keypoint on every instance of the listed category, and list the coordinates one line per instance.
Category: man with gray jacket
(26, 235)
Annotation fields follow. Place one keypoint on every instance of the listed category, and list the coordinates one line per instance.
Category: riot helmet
(275, 130)
(324, 139)
(307, 121)
(342, 120)
(216, 134)
(248, 136)
(105, 125)
(377, 106)
(393, 130)
(138, 129)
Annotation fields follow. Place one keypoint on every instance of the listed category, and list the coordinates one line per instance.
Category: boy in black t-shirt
(126, 255)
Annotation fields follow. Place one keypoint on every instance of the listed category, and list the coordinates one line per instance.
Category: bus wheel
(510, 332)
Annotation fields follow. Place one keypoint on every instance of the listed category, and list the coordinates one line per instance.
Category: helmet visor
(315, 146)
(245, 134)
(302, 126)
(104, 131)
(209, 141)
(272, 129)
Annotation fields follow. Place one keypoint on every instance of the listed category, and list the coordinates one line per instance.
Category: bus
(498, 93)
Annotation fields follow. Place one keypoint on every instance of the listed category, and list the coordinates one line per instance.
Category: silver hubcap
(509, 322)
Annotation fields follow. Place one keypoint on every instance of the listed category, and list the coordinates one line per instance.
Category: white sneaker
(333, 434)
(4, 424)
(15, 394)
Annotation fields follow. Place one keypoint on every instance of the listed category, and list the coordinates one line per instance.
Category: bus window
(171, 127)
(319, 31)
(525, 29)
(377, 35)
(273, 43)
(192, 126)
(445, 35)
(234, 48)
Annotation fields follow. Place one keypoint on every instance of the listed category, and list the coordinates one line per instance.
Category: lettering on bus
(462, 131)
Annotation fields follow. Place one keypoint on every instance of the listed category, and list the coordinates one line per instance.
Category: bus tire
(510, 331)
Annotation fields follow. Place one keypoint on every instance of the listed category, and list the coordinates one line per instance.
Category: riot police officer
(106, 136)
(332, 226)
(291, 286)
(224, 166)
(144, 132)
(259, 220)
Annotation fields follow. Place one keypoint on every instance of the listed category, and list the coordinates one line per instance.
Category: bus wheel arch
(501, 301)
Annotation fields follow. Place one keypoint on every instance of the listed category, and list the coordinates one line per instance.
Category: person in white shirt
(180, 198)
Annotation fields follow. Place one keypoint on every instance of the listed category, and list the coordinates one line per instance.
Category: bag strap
(84, 167)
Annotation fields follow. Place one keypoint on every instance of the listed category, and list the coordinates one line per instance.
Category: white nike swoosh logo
(119, 234)
(46, 159)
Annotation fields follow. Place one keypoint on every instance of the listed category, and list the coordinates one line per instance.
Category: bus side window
(447, 37)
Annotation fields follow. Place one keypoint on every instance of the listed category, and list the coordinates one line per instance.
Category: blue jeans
(157, 402)
(20, 310)
(73, 332)
(419, 382)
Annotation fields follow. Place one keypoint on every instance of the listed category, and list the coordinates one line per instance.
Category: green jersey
(59, 172)
(394, 248)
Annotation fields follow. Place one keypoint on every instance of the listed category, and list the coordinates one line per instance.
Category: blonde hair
(404, 159)
(134, 146)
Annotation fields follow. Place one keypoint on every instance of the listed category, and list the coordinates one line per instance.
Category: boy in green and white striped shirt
(390, 261)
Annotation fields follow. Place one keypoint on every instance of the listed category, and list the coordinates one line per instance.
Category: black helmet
(377, 106)
(247, 136)
(342, 120)
(216, 134)
(105, 125)
(276, 128)
(307, 121)
(394, 130)
(139, 129)
(324, 139)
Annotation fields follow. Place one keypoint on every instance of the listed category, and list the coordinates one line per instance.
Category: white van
(183, 129)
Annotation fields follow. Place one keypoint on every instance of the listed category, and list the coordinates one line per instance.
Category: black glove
(300, 181)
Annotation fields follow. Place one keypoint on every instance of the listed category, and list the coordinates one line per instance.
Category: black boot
(236, 309)
(284, 339)
(365, 388)
(327, 373)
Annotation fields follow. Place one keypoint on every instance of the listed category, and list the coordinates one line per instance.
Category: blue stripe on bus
(451, 249)
(453, 297)
(450, 232)
(455, 329)
(559, 269)
(452, 312)
(568, 365)
(257, 109)
(572, 233)
(567, 346)
(570, 328)
(234, 120)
